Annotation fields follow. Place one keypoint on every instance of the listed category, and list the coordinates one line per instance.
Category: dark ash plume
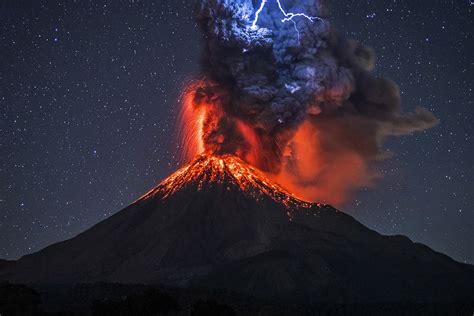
(281, 76)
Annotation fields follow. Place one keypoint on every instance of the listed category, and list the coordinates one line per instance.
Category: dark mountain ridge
(219, 224)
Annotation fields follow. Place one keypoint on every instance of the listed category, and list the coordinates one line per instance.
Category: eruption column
(312, 118)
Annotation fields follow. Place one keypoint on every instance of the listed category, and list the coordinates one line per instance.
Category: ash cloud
(297, 85)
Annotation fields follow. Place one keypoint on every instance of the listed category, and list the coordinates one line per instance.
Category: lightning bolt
(257, 14)
(289, 16)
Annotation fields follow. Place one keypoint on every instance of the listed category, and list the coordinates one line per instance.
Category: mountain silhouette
(218, 223)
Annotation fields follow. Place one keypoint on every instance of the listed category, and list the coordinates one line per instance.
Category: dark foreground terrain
(221, 239)
(118, 299)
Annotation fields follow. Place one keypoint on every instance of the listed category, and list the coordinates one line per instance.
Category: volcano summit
(218, 223)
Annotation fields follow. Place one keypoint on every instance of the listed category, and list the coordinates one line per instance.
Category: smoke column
(283, 91)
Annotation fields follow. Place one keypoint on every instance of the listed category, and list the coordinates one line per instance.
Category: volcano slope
(217, 223)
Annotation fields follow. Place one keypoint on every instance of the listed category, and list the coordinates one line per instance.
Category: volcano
(219, 223)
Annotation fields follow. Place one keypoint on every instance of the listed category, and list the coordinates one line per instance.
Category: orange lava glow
(314, 162)
(191, 122)
(228, 170)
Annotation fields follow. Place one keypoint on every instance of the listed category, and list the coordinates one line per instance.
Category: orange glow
(318, 171)
(315, 162)
(251, 155)
(228, 170)
(191, 121)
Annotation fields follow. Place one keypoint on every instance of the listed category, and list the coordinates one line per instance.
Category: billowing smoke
(293, 98)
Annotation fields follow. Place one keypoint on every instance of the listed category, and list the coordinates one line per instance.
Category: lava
(227, 170)
(204, 129)
(191, 123)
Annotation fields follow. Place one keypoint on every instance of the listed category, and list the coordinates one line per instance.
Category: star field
(89, 94)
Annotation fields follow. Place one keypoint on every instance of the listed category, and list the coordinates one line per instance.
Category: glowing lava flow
(227, 170)
(191, 122)
(288, 16)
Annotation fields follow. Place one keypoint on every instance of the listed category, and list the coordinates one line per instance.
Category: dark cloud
(281, 75)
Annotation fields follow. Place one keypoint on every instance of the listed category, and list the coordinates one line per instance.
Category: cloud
(295, 98)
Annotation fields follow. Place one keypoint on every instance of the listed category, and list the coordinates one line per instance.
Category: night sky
(89, 92)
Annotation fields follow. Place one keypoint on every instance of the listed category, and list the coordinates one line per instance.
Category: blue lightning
(289, 16)
(254, 23)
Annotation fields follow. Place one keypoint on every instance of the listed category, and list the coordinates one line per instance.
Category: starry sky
(89, 93)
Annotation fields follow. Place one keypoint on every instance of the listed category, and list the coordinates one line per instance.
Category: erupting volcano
(218, 223)
(285, 114)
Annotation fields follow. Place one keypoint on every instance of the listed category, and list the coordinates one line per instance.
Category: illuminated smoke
(295, 100)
